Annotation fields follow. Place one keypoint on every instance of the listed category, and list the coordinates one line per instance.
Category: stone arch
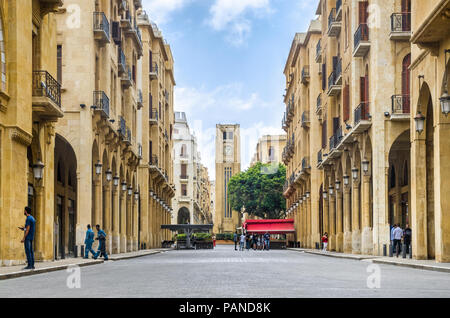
(183, 216)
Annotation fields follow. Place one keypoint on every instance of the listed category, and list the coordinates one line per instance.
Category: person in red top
(325, 241)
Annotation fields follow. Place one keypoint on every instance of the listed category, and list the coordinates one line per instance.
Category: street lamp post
(38, 170)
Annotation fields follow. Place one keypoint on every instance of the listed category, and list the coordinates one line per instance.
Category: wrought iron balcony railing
(401, 104)
(401, 22)
(122, 60)
(305, 119)
(101, 102)
(305, 163)
(319, 102)
(305, 74)
(44, 85)
(362, 112)
(331, 18)
(122, 127)
(319, 157)
(140, 98)
(101, 24)
(361, 35)
(319, 51)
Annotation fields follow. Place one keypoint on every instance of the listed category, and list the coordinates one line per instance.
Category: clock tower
(228, 163)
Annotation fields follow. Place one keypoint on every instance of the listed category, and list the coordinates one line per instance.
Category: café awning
(271, 226)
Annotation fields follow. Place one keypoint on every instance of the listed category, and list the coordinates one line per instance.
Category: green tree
(260, 190)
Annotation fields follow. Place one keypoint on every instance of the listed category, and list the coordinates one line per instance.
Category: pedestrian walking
(88, 241)
(214, 241)
(398, 234)
(235, 240)
(28, 237)
(392, 237)
(255, 242)
(101, 237)
(242, 242)
(247, 241)
(267, 241)
(325, 242)
(407, 235)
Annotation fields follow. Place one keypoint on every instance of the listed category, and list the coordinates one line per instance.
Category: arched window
(393, 178)
(2, 56)
(406, 83)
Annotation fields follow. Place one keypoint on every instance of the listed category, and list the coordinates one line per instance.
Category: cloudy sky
(229, 59)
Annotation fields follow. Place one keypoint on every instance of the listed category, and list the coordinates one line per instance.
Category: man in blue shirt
(267, 240)
(29, 229)
(88, 241)
(101, 237)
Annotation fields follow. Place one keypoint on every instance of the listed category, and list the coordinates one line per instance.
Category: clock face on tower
(228, 151)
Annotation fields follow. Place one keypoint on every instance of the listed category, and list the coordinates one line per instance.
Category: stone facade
(96, 71)
(269, 149)
(354, 158)
(228, 163)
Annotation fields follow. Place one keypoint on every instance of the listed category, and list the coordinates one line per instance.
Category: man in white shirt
(242, 242)
(398, 234)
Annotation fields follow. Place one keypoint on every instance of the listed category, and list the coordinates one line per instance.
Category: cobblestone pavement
(224, 272)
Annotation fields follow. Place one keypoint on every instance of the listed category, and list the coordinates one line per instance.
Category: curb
(45, 270)
(120, 258)
(355, 257)
(415, 266)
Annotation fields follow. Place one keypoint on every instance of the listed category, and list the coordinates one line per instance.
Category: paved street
(226, 273)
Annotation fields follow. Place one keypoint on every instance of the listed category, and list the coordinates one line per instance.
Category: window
(184, 190)
(227, 135)
(271, 153)
(184, 171)
(59, 63)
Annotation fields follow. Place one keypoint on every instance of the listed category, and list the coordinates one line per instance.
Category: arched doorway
(184, 216)
(65, 198)
(398, 180)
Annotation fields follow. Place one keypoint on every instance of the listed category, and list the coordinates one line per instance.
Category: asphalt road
(224, 272)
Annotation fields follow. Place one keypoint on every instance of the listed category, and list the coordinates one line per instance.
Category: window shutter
(347, 102)
(116, 32)
(324, 76)
(362, 89)
(363, 15)
(324, 134)
(336, 122)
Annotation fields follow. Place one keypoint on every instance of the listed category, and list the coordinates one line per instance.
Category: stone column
(326, 227)
(40, 231)
(309, 227)
(339, 223)
(347, 220)
(115, 216)
(123, 222)
(129, 222)
(151, 220)
(356, 210)
(135, 224)
(107, 209)
(367, 233)
(97, 201)
(332, 223)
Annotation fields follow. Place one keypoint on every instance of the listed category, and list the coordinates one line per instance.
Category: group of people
(29, 232)
(397, 235)
(252, 241)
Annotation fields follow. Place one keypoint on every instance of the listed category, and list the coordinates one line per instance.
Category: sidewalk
(405, 262)
(8, 272)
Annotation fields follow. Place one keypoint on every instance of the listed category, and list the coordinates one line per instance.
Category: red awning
(271, 226)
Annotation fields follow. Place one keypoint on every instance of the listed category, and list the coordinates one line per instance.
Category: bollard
(410, 251)
(63, 253)
(391, 251)
(75, 251)
(404, 250)
(317, 246)
(82, 250)
(384, 250)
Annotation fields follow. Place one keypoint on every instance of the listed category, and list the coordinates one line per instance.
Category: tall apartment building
(30, 107)
(191, 177)
(269, 149)
(355, 136)
(228, 163)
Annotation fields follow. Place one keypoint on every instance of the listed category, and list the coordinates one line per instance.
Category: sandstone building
(269, 149)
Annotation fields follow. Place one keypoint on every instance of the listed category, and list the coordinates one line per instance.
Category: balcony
(339, 10)
(334, 88)
(319, 105)
(334, 25)
(101, 28)
(361, 41)
(122, 127)
(134, 32)
(126, 78)
(284, 124)
(319, 52)
(101, 103)
(319, 157)
(138, 4)
(126, 23)
(128, 138)
(401, 105)
(121, 63)
(153, 116)
(184, 178)
(305, 74)
(338, 72)
(153, 160)
(46, 95)
(336, 139)
(305, 164)
(140, 99)
(362, 118)
(153, 72)
(400, 27)
(305, 119)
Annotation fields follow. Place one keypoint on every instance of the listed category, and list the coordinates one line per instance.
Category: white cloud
(160, 10)
(232, 16)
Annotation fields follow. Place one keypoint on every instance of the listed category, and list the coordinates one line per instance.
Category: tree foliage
(260, 190)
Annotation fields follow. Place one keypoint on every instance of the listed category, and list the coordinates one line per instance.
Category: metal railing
(128, 136)
(305, 163)
(44, 85)
(319, 102)
(122, 60)
(338, 5)
(319, 157)
(331, 18)
(305, 118)
(101, 23)
(401, 22)
(361, 34)
(140, 98)
(361, 112)
(336, 138)
(318, 49)
(138, 33)
(305, 73)
(401, 104)
(331, 79)
(101, 102)
(122, 126)
(338, 70)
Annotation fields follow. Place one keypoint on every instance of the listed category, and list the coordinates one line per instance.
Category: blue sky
(229, 59)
